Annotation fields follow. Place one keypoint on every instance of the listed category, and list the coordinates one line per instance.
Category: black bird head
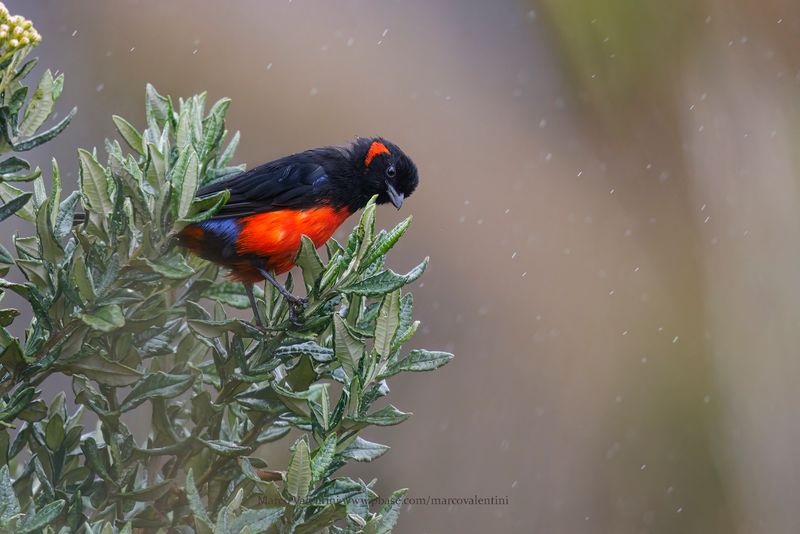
(383, 169)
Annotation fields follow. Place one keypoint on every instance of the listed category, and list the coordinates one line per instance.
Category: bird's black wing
(277, 185)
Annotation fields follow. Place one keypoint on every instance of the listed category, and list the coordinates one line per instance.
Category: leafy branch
(145, 329)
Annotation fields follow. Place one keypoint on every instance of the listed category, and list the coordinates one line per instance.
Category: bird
(257, 233)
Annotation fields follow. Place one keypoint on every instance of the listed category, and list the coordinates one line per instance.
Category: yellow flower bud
(16, 30)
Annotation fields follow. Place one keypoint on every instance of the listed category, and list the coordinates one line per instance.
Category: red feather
(276, 236)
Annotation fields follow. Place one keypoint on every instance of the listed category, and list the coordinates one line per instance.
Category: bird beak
(394, 196)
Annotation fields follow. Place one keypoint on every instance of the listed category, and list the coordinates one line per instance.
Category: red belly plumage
(273, 238)
(276, 235)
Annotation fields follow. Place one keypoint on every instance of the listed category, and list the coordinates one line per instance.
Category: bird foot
(297, 305)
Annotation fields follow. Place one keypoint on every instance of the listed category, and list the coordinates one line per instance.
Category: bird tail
(78, 219)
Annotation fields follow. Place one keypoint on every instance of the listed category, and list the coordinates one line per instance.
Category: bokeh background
(610, 198)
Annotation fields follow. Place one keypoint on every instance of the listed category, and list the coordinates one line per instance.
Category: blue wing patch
(227, 229)
(320, 182)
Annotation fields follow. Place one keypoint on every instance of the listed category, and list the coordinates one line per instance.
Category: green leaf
(204, 208)
(385, 281)
(51, 249)
(298, 477)
(387, 323)
(214, 126)
(81, 277)
(185, 181)
(385, 242)
(94, 184)
(149, 493)
(54, 432)
(8, 193)
(323, 458)
(348, 350)
(362, 450)
(26, 69)
(55, 190)
(20, 401)
(390, 511)
(129, 133)
(308, 260)
(408, 326)
(317, 352)
(320, 521)
(225, 448)
(13, 164)
(419, 360)
(227, 154)
(273, 433)
(7, 316)
(157, 385)
(105, 318)
(185, 134)
(256, 520)
(34, 411)
(9, 505)
(43, 517)
(212, 329)
(95, 458)
(226, 514)
(173, 267)
(232, 293)
(157, 108)
(5, 256)
(195, 502)
(335, 491)
(66, 213)
(40, 106)
(102, 370)
(11, 207)
(387, 416)
(37, 172)
(11, 356)
(47, 135)
(36, 272)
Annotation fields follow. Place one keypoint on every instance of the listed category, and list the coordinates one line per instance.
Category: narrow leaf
(94, 184)
(11, 207)
(298, 477)
(9, 505)
(47, 135)
(105, 318)
(129, 133)
(419, 360)
(385, 281)
(390, 512)
(362, 450)
(157, 385)
(348, 350)
(386, 325)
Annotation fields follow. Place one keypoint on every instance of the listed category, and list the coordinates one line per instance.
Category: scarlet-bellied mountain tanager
(259, 229)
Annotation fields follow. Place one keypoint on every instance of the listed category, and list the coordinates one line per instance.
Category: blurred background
(609, 193)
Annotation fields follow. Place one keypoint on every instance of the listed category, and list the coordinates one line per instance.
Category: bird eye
(390, 172)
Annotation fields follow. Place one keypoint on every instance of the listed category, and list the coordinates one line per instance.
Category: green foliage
(143, 329)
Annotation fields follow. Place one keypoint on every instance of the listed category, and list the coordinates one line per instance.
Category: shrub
(143, 328)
